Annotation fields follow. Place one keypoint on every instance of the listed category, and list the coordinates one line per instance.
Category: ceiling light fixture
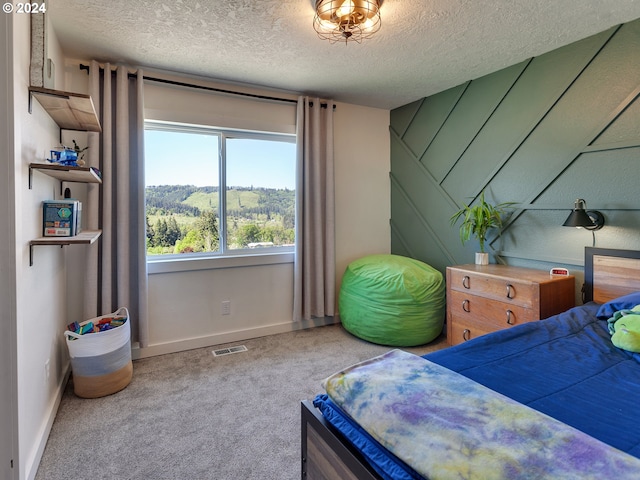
(347, 20)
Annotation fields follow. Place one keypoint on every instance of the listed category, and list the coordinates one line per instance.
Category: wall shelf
(83, 238)
(65, 173)
(71, 111)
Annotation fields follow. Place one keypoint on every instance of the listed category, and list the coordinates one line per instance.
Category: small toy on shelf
(64, 156)
(67, 156)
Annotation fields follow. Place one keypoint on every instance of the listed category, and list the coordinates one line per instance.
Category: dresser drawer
(483, 310)
(503, 289)
(460, 331)
(485, 298)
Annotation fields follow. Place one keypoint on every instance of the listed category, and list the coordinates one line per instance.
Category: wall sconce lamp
(580, 217)
(347, 20)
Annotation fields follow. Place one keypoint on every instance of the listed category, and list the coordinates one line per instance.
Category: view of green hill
(202, 200)
(184, 218)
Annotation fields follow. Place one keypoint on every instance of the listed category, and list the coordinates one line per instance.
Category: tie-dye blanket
(446, 426)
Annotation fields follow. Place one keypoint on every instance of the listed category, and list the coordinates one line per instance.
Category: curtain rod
(212, 89)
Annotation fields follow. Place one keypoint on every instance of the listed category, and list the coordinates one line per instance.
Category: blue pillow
(625, 302)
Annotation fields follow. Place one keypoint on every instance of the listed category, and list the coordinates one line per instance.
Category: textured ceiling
(423, 47)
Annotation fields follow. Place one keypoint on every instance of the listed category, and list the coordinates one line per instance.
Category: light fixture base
(597, 218)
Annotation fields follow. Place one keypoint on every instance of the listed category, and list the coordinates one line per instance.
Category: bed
(562, 375)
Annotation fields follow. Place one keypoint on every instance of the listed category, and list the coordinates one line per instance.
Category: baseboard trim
(227, 337)
(34, 463)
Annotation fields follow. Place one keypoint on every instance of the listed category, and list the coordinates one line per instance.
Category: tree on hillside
(192, 242)
(173, 232)
(150, 232)
(207, 226)
(277, 234)
(165, 232)
(160, 236)
(247, 234)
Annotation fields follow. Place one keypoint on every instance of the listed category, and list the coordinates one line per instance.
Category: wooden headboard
(610, 273)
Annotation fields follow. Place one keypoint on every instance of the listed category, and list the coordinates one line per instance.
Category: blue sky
(179, 158)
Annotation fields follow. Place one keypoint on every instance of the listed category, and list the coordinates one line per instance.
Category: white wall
(185, 307)
(363, 195)
(41, 296)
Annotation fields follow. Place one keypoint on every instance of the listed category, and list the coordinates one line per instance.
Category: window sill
(174, 265)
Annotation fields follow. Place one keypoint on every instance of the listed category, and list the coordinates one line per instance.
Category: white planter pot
(482, 258)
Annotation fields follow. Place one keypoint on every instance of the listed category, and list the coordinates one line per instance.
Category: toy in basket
(100, 351)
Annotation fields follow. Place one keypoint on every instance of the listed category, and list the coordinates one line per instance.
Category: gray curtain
(116, 265)
(314, 271)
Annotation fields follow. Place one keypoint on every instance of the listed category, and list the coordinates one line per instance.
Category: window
(215, 192)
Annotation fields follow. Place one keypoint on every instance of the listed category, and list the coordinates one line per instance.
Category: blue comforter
(565, 367)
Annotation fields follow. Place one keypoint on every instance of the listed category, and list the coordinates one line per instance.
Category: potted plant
(477, 220)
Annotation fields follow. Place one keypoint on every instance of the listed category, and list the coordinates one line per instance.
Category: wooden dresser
(485, 298)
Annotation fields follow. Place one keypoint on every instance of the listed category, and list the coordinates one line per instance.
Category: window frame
(224, 257)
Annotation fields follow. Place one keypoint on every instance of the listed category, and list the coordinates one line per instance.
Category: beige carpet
(192, 415)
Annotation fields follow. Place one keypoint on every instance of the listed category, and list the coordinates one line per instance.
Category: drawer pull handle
(511, 292)
(510, 318)
(465, 306)
(465, 282)
(466, 335)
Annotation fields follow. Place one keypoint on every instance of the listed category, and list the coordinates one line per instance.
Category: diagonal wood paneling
(576, 119)
(523, 134)
(412, 236)
(624, 131)
(415, 196)
(544, 81)
(477, 105)
(432, 114)
(401, 117)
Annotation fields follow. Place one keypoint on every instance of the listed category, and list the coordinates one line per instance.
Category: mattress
(564, 367)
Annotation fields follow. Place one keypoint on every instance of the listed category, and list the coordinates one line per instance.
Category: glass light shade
(345, 9)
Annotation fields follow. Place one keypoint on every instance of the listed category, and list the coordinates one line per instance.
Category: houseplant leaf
(478, 219)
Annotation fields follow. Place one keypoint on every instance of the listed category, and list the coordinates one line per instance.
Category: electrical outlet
(225, 307)
(47, 370)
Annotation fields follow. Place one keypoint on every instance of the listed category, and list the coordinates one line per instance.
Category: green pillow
(392, 300)
(624, 328)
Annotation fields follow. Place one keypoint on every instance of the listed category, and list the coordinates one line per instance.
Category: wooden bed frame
(608, 274)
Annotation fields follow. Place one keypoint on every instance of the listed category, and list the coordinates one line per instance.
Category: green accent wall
(542, 133)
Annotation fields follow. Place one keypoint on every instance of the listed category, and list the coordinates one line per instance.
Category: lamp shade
(580, 217)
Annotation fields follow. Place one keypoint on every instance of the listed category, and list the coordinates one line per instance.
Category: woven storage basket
(101, 362)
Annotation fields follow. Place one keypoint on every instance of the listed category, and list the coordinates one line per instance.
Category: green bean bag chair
(392, 300)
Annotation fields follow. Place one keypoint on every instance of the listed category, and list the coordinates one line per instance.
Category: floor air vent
(229, 351)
